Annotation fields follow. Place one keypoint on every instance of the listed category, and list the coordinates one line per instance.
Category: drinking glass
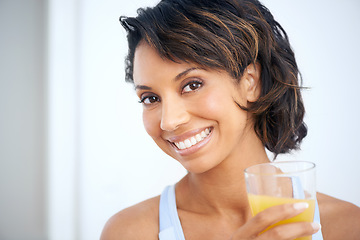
(276, 183)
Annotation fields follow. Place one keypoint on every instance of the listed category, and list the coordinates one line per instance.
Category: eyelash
(143, 99)
(197, 82)
(157, 99)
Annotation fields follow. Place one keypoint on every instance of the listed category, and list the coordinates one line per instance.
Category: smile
(187, 143)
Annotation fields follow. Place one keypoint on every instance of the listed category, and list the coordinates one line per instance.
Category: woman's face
(190, 112)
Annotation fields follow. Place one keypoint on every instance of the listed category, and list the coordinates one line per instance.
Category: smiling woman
(229, 41)
(219, 84)
(183, 102)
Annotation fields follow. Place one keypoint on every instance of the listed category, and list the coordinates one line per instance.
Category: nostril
(173, 116)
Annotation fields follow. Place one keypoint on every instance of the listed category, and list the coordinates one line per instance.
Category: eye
(192, 86)
(148, 100)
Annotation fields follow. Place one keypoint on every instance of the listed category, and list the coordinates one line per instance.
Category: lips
(191, 141)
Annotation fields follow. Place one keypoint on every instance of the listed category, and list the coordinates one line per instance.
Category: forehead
(148, 64)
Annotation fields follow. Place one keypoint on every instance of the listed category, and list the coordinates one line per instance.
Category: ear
(251, 81)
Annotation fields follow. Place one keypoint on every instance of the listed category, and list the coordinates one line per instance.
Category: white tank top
(170, 226)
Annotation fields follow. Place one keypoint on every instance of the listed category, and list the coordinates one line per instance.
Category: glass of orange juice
(276, 183)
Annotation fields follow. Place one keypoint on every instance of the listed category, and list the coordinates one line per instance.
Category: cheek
(151, 124)
(215, 104)
(221, 107)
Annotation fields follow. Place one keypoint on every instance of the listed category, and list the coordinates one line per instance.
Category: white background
(95, 156)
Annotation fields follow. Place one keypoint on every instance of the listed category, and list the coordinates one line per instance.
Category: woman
(219, 83)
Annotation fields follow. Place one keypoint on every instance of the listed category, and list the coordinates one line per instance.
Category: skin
(181, 100)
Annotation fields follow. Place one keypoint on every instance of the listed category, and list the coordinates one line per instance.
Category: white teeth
(193, 140)
(198, 137)
(181, 145)
(187, 143)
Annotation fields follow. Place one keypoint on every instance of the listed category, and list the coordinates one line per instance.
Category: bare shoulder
(339, 219)
(140, 221)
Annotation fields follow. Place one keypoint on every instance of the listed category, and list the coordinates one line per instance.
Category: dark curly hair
(230, 35)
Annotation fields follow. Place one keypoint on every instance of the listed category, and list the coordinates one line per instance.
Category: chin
(197, 166)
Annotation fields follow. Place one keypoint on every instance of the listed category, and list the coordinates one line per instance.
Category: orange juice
(259, 203)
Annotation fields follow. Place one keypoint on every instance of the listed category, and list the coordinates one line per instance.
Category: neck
(223, 188)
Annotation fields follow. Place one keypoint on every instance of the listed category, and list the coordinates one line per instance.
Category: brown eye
(192, 86)
(149, 100)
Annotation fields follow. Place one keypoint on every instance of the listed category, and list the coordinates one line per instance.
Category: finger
(290, 231)
(269, 217)
(275, 214)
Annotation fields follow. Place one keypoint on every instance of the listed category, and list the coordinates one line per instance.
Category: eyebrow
(184, 73)
(179, 76)
(142, 87)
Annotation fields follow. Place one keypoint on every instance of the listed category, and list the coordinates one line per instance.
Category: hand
(270, 216)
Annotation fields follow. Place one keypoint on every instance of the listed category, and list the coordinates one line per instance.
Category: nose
(174, 113)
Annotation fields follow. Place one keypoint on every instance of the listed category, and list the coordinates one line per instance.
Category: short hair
(230, 35)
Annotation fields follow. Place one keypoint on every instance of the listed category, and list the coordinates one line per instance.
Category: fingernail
(316, 226)
(301, 206)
